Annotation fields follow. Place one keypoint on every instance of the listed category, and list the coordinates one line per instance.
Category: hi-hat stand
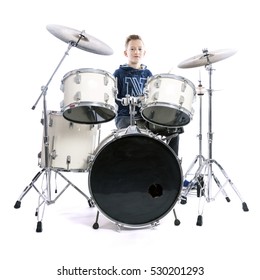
(204, 176)
(196, 183)
(45, 193)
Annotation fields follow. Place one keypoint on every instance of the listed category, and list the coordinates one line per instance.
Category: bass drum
(135, 179)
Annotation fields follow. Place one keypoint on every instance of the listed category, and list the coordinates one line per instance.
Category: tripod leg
(90, 201)
(244, 205)
(43, 200)
(27, 189)
(221, 187)
(40, 217)
(45, 194)
(201, 208)
(200, 186)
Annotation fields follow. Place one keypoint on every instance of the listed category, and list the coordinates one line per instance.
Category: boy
(131, 80)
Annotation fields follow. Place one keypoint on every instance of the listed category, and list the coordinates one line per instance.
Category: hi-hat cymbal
(207, 58)
(82, 40)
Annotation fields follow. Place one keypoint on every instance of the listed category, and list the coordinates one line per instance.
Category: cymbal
(81, 39)
(207, 58)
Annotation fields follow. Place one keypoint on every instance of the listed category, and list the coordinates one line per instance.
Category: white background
(227, 244)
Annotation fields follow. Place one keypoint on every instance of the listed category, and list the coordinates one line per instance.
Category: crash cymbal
(81, 39)
(206, 58)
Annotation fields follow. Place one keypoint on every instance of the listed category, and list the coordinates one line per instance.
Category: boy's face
(135, 52)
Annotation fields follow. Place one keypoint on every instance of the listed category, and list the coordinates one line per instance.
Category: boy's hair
(132, 37)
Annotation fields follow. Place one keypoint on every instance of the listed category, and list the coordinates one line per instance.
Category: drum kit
(134, 177)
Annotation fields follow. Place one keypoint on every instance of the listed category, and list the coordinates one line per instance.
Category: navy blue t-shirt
(130, 81)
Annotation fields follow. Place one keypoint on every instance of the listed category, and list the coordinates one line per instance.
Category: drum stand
(45, 195)
(204, 174)
(197, 181)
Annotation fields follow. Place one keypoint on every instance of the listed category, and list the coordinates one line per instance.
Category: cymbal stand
(206, 168)
(197, 181)
(45, 195)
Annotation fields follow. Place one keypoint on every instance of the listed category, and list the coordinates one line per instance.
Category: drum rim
(88, 103)
(169, 75)
(98, 151)
(76, 170)
(88, 70)
(78, 104)
(166, 105)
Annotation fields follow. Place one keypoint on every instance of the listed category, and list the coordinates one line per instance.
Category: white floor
(223, 245)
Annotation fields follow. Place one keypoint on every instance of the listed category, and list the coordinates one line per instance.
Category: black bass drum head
(135, 180)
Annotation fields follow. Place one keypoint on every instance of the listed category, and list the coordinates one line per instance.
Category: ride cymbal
(80, 39)
(207, 58)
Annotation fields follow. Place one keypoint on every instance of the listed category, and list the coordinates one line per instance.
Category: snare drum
(135, 179)
(70, 144)
(89, 96)
(169, 100)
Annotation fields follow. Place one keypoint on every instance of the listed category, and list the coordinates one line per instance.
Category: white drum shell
(70, 144)
(167, 96)
(91, 88)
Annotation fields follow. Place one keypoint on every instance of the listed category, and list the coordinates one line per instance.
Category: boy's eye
(133, 49)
